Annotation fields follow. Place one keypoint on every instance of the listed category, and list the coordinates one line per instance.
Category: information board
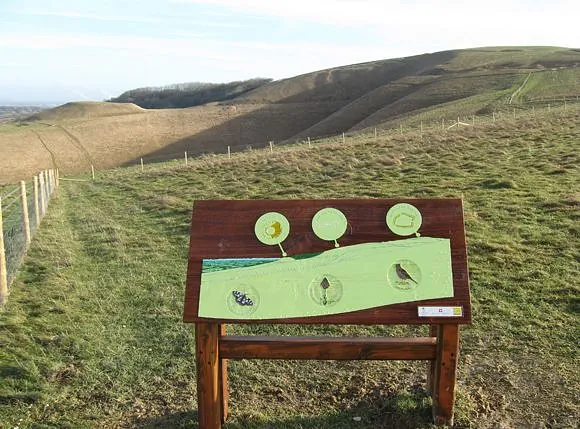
(374, 261)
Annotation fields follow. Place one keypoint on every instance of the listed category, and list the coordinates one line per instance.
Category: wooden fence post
(141, 164)
(3, 272)
(271, 147)
(47, 189)
(93, 172)
(229, 153)
(57, 178)
(25, 220)
(185, 157)
(309, 145)
(46, 185)
(375, 132)
(35, 193)
(343, 138)
(42, 193)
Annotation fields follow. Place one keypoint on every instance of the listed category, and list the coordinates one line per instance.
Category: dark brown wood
(223, 378)
(225, 229)
(431, 373)
(208, 389)
(444, 377)
(353, 348)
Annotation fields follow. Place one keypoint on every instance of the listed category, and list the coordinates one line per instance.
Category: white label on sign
(440, 311)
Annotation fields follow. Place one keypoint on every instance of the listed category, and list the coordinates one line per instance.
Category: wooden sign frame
(225, 229)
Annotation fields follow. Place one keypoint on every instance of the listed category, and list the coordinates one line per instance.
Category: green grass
(92, 334)
(550, 84)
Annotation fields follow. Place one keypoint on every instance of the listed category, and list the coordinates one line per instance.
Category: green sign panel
(337, 281)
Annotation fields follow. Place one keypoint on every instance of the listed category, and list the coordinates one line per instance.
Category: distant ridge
(188, 94)
(379, 94)
(85, 110)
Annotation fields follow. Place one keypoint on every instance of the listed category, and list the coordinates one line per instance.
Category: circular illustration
(325, 290)
(329, 224)
(404, 219)
(243, 300)
(404, 275)
(272, 228)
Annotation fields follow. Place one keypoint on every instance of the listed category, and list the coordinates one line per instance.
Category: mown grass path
(92, 334)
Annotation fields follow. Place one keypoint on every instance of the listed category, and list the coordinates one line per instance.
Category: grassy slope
(327, 102)
(92, 336)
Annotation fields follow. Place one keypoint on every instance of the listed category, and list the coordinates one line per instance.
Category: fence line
(18, 225)
(420, 125)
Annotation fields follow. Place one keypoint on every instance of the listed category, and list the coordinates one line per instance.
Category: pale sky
(64, 50)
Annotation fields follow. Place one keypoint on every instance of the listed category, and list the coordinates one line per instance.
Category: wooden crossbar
(214, 347)
(327, 348)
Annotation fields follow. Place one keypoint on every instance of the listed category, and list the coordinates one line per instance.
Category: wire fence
(21, 210)
(447, 120)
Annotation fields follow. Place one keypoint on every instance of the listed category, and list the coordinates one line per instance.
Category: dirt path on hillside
(52, 156)
(520, 88)
(77, 144)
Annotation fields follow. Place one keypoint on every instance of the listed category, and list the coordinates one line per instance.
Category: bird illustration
(403, 274)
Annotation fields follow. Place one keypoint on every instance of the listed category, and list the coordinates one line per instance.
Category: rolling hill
(380, 94)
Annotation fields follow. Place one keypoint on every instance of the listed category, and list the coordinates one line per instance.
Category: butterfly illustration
(242, 298)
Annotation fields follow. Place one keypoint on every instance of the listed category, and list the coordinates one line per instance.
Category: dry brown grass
(86, 110)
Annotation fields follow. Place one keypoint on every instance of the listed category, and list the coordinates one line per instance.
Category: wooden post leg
(431, 373)
(444, 376)
(223, 381)
(208, 389)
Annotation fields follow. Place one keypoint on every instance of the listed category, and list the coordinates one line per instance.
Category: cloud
(422, 20)
(324, 11)
(88, 15)
(142, 61)
(193, 44)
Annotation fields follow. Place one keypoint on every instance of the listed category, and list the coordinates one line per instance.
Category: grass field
(92, 333)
